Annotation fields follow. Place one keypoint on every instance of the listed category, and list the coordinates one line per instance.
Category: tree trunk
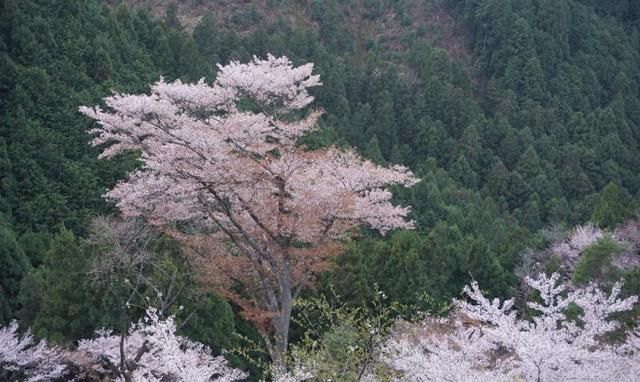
(280, 342)
(281, 322)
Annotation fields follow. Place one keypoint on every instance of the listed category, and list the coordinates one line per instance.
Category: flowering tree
(488, 342)
(152, 352)
(224, 159)
(580, 238)
(21, 359)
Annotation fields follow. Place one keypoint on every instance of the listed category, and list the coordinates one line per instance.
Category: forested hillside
(520, 117)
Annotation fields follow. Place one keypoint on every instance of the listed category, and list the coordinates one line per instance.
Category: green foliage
(213, 322)
(58, 60)
(613, 206)
(340, 342)
(57, 301)
(632, 283)
(35, 245)
(14, 265)
(595, 262)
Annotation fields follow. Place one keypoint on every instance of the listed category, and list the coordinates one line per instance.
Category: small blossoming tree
(223, 159)
(151, 351)
(22, 359)
(580, 238)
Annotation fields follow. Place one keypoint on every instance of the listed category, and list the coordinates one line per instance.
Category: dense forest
(520, 117)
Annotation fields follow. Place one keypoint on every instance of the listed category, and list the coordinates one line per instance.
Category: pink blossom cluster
(580, 238)
(150, 352)
(487, 341)
(207, 157)
(20, 354)
(166, 356)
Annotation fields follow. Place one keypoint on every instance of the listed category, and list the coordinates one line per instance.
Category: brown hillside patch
(425, 21)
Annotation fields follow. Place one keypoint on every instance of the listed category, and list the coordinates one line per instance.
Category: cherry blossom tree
(581, 237)
(566, 250)
(263, 213)
(486, 341)
(149, 352)
(22, 359)
(153, 352)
